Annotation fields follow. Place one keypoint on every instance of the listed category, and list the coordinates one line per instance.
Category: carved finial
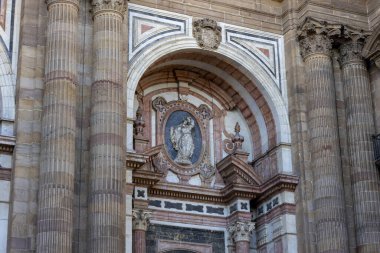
(139, 123)
(238, 139)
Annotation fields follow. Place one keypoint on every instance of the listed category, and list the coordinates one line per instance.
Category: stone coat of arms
(207, 33)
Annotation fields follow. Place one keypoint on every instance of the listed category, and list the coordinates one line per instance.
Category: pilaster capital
(73, 2)
(241, 230)
(315, 37)
(141, 219)
(115, 6)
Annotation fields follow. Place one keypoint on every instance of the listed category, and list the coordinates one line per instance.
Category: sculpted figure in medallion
(182, 139)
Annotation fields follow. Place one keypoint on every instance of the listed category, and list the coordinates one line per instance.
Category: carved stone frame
(202, 115)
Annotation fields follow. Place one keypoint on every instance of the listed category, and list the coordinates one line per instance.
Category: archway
(234, 57)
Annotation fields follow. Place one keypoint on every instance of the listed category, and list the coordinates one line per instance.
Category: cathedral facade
(190, 126)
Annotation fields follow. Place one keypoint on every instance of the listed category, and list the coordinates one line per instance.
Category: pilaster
(56, 179)
(107, 212)
(329, 204)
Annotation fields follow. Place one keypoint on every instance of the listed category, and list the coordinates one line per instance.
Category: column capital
(51, 2)
(141, 219)
(315, 37)
(241, 230)
(351, 52)
(352, 43)
(115, 6)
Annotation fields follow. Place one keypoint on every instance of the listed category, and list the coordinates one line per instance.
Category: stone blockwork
(61, 116)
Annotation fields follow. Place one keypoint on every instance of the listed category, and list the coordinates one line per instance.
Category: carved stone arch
(249, 67)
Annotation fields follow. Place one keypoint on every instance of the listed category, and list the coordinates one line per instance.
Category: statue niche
(181, 137)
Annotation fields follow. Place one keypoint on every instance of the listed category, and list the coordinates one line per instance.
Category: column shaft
(360, 128)
(242, 247)
(329, 203)
(56, 185)
(139, 241)
(325, 156)
(107, 166)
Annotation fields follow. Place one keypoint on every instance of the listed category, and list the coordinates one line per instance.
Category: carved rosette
(116, 6)
(141, 219)
(207, 33)
(241, 231)
(314, 37)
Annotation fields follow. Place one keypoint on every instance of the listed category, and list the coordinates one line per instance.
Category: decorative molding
(207, 33)
(236, 171)
(147, 25)
(141, 219)
(265, 48)
(241, 230)
(115, 6)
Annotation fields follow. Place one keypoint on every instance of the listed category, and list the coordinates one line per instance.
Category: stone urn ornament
(207, 33)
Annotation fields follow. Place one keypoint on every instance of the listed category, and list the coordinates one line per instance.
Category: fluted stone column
(360, 128)
(240, 233)
(329, 204)
(107, 165)
(56, 182)
(140, 226)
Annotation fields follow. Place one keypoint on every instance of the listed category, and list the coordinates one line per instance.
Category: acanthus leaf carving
(141, 219)
(117, 6)
(315, 37)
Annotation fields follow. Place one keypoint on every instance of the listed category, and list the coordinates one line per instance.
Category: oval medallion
(183, 138)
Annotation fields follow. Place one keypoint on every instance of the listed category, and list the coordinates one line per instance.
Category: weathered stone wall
(280, 17)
